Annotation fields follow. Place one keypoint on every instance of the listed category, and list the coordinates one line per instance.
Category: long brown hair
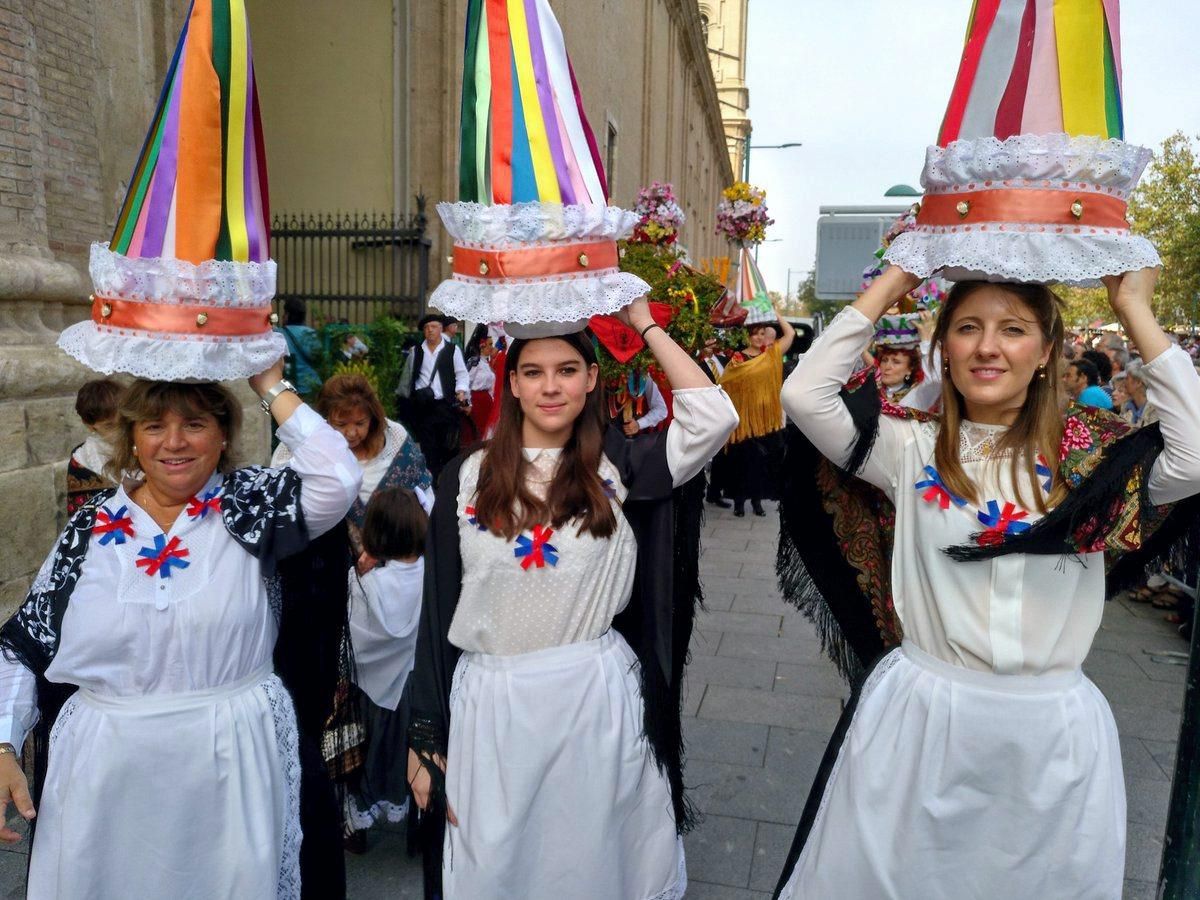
(1039, 426)
(347, 392)
(505, 504)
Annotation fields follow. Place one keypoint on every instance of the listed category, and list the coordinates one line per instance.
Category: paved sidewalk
(761, 702)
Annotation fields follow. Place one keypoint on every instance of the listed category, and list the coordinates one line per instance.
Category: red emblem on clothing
(536, 551)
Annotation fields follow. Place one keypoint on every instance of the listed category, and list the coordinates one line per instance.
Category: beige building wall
(360, 103)
(325, 79)
(726, 23)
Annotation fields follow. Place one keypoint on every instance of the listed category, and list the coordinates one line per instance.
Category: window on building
(704, 27)
(610, 157)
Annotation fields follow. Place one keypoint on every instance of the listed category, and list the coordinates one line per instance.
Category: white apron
(201, 791)
(1012, 783)
(556, 793)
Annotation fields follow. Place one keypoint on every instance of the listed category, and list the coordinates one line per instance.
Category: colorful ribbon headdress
(183, 289)
(1031, 175)
(534, 236)
(750, 288)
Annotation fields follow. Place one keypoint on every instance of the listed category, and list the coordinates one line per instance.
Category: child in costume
(96, 406)
(385, 606)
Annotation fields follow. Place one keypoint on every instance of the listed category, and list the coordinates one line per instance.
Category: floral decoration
(660, 214)
(742, 214)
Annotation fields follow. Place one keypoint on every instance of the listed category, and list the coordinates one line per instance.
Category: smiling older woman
(175, 761)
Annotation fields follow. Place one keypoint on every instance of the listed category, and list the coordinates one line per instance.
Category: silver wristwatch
(278, 388)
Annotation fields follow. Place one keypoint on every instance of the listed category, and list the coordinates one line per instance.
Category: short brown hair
(144, 401)
(348, 391)
(97, 400)
(395, 525)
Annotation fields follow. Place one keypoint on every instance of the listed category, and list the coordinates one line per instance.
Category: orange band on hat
(535, 262)
(214, 321)
(1023, 207)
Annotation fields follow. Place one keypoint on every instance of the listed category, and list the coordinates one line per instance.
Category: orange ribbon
(1023, 206)
(535, 262)
(215, 321)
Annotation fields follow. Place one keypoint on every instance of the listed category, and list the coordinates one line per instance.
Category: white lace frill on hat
(544, 305)
(170, 356)
(1028, 252)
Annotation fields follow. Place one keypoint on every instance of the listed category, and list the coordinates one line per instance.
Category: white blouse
(538, 591)
(130, 632)
(385, 607)
(1017, 614)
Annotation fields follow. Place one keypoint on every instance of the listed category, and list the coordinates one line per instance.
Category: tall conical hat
(1031, 174)
(535, 241)
(182, 291)
(750, 288)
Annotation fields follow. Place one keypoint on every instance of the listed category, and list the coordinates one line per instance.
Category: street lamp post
(746, 155)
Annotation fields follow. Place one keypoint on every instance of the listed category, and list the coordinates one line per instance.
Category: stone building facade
(725, 26)
(360, 105)
(362, 111)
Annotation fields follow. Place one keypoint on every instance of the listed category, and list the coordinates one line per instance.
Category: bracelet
(280, 387)
(7, 748)
(647, 328)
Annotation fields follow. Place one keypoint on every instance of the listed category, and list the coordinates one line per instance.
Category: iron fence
(354, 266)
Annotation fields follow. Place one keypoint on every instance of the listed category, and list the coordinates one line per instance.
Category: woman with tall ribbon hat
(561, 570)
(976, 759)
(176, 655)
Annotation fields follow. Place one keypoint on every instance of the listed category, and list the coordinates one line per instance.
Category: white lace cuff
(1105, 163)
(170, 357)
(1043, 257)
(1028, 251)
(165, 280)
(539, 308)
(532, 223)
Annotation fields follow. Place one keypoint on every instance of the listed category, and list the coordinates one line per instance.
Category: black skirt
(751, 468)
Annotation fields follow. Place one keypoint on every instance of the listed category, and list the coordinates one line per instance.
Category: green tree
(1084, 305)
(806, 298)
(1166, 209)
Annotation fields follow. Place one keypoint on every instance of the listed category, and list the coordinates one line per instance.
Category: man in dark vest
(438, 394)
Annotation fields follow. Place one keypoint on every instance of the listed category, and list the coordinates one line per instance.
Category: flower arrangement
(742, 214)
(689, 292)
(660, 214)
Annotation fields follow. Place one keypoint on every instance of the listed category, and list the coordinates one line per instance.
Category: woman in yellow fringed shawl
(753, 380)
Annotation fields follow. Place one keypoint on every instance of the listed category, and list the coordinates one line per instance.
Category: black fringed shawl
(657, 623)
(260, 508)
(835, 542)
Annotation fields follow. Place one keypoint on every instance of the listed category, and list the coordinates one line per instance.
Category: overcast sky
(863, 85)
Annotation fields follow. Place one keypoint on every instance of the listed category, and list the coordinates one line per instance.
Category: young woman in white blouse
(977, 760)
(545, 693)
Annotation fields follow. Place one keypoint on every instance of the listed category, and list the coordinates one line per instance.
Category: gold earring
(1042, 372)
(134, 448)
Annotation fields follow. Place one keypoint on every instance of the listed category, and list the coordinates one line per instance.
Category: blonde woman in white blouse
(978, 761)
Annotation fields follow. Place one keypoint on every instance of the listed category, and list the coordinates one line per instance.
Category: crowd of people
(447, 663)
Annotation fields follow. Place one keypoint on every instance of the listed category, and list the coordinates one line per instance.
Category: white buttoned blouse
(504, 609)
(1017, 614)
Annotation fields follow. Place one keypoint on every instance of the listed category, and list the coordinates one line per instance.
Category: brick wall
(64, 53)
